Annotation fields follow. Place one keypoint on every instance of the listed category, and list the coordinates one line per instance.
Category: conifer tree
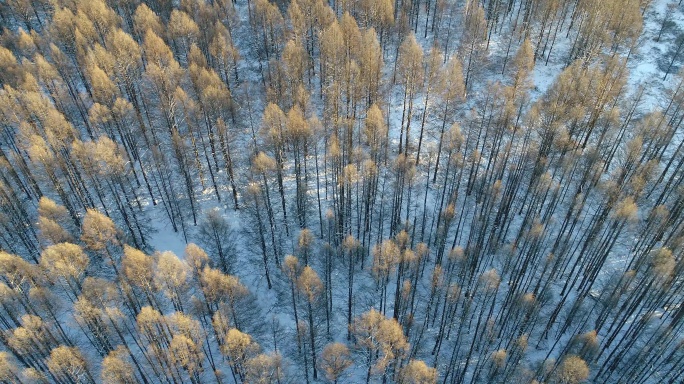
(335, 359)
(410, 70)
(382, 339)
(311, 286)
(417, 372)
(68, 363)
(473, 42)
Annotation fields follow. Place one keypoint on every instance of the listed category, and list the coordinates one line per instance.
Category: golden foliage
(335, 359)
(572, 370)
(417, 372)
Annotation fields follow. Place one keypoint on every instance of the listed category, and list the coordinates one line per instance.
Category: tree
(224, 136)
(9, 371)
(183, 31)
(138, 270)
(187, 354)
(253, 195)
(417, 372)
(450, 92)
(67, 363)
(145, 19)
(473, 42)
(311, 286)
(274, 127)
(299, 133)
(66, 262)
(350, 247)
(102, 17)
(49, 216)
(383, 340)
(237, 346)
(375, 134)
(305, 243)
(264, 369)
(432, 70)
(225, 54)
(269, 24)
(11, 70)
(386, 257)
(572, 370)
(226, 293)
(99, 234)
(294, 60)
(218, 237)
(196, 258)
(378, 14)
(291, 268)
(371, 64)
(156, 335)
(335, 359)
(116, 369)
(410, 70)
(170, 277)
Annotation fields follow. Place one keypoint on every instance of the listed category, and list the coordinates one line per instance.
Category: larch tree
(417, 372)
(299, 133)
(377, 14)
(572, 370)
(217, 236)
(146, 19)
(164, 73)
(237, 346)
(472, 46)
(226, 293)
(269, 27)
(432, 65)
(311, 286)
(138, 270)
(32, 341)
(274, 128)
(68, 363)
(331, 65)
(225, 140)
(410, 72)
(225, 53)
(170, 277)
(450, 93)
(155, 335)
(350, 249)
(382, 339)
(264, 369)
(260, 230)
(35, 376)
(100, 234)
(183, 31)
(103, 18)
(9, 372)
(50, 215)
(334, 360)
(12, 72)
(371, 64)
(291, 269)
(196, 259)
(185, 349)
(97, 312)
(375, 134)
(116, 369)
(294, 66)
(66, 263)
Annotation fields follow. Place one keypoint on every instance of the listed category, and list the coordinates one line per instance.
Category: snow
(275, 304)
(164, 238)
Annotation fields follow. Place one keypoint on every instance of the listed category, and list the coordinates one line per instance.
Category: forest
(341, 191)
